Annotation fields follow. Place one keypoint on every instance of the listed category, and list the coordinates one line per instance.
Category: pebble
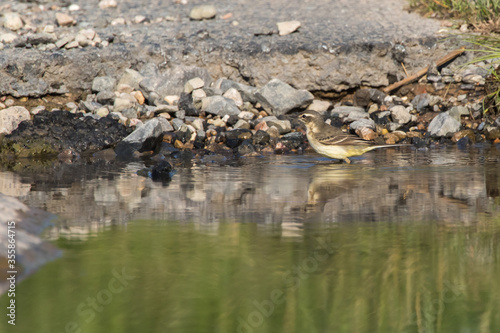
(11, 117)
(219, 105)
(8, 37)
(64, 20)
(319, 106)
(12, 21)
(362, 123)
(278, 97)
(108, 4)
(366, 133)
(196, 83)
(443, 125)
(234, 95)
(203, 12)
(400, 115)
(103, 83)
(286, 28)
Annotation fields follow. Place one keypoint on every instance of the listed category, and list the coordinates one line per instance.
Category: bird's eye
(303, 116)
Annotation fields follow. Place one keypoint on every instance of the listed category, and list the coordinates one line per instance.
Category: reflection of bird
(331, 141)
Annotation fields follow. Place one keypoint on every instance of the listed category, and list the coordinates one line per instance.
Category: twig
(404, 68)
(450, 56)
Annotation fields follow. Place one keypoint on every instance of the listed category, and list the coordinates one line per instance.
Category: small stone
(219, 105)
(64, 20)
(463, 134)
(196, 83)
(124, 88)
(242, 124)
(8, 37)
(400, 115)
(198, 94)
(106, 97)
(171, 99)
(443, 125)
(286, 28)
(72, 45)
(203, 12)
(165, 115)
(366, 133)
(273, 132)
(458, 111)
(108, 4)
(462, 98)
(102, 83)
(139, 97)
(392, 138)
(73, 8)
(278, 98)
(262, 126)
(118, 21)
(124, 101)
(11, 117)
(319, 106)
(132, 78)
(362, 123)
(140, 19)
(283, 126)
(129, 113)
(12, 21)
(235, 95)
(473, 79)
(102, 112)
(246, 115)
(64, 41)
(373, 108)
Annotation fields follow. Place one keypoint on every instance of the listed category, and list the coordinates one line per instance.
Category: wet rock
(261, 138)
(246, 148)
(492, 132)
(286, 28)
(219, 105)
(49, 133)
(362, 123)
(292, 140)
(144, 138)
(242, 124)
(468, 133)
(400, 115)
(278, 98)
(102, 83)
(11, 117)
(443, 125)
(186, 104)
(366, 133)
(203, 12)
(12, 21)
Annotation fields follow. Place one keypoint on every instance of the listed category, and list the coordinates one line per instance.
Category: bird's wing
(343, 139)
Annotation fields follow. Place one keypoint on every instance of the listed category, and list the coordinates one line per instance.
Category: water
(399, 241)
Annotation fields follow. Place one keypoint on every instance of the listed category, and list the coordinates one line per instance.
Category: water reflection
(447, 186)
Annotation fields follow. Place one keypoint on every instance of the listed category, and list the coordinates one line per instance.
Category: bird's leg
(347, 160)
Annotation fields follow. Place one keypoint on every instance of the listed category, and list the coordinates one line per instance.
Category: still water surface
(399, 241)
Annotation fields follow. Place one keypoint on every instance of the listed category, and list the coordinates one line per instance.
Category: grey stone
(458, 111)
(443, 125)
(247, 92)
(242, 124)
(106, 97)
(132, 78)
(143, 138)
(130, 113)
(420, 102)
(177, 123)
(363, 123)
(102, 83)
(278, 97)
(11, 117)
(124, 101)
(90, 106)
(400, 114)
(219, 105)
(283, 126)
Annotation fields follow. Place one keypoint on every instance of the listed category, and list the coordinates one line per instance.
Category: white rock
(12, 21)
(193, 84)
(73, 8)
(198, 94)
(203, 12)
(11, 117)
(118, 21)
(64, 20)
(235, 95)
(319, 106)
(8, 37)
(286, 28)
(108, 4)
(246, 115)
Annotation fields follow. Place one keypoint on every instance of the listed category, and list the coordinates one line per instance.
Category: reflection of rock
(31, 251)
(10, 184)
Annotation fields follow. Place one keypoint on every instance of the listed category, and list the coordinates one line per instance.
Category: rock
(246, 115)
(293, 140)
(242, 124)
(362, 123)
(443, 125)
(102, 112)
(468, 133)
(177, 123)
(286, 28)
(235, 95)
(278, 98)
(64, 41)
(139, 97)
(172, 99)
(366, 133)
(129, 113)
(11, 117)
(261, 138)
(247, 92)
(203, 12)
(198, 95)
(106, 97)
(219, 105)
(363, 97)
(421, 102)
(132, 78)
(103, 83)
(7, 37)
(195, 83)
(108, 4)
(64, 20)
(144, 138)
(458, 111)
(319, 106)
(12, 21)
(400, 115)
(124, 101)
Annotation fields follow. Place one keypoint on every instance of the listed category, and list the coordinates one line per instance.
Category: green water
(159, 276)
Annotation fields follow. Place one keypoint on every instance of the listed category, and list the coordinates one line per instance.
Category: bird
(331, 141)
